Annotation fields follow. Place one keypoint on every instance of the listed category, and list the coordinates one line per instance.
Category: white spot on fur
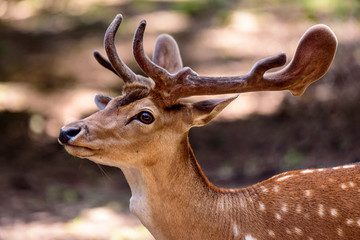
(336, 168)
(261, 206)
(339, 231)
(271, 233)
(249, 237)
(236, 231)
(320, 169)
(351, 184)
(321, 210)
(310, 238)
(349, 166)
(343, 186)
(221, 204)
(307, 193)
(358, 222)
(276, 188)
(307, 171)
(349, 221)
(288, 231)
(298, 208)
(264, 189)
(278, 216)
(243, 203)
(333, 212)
(284, 177)
(298, 231)
(284, 207)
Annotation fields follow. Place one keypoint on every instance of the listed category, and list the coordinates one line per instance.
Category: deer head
(149, 116)
(144, 131)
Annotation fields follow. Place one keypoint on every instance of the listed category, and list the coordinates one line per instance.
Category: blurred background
(48, 78)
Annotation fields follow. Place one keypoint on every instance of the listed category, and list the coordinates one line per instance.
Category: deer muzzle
(66, 135)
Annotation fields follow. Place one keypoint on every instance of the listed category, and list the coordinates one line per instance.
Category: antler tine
(155, 72)
(266, 64)
(103, 62)
(164, 81)
(311, 61)
(109, 41)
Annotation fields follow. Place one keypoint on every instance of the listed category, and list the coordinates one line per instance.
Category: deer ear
(203, 112)
(101, 101)
(167, 54)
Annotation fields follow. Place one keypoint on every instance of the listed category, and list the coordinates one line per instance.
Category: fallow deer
(144, 132)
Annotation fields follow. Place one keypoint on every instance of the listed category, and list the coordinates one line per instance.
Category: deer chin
(80, 151)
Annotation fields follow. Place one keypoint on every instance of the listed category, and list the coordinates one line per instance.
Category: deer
(144, 133)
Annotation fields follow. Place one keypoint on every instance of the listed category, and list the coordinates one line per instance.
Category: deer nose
(67, 134)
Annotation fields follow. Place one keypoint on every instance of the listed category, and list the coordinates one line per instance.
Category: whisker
(104, 173)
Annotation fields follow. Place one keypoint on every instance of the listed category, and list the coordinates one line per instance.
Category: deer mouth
(68, 138)
(79, 151)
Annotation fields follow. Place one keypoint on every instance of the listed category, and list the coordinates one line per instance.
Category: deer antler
(313, 56)
(115, 65)
(312, 59)
(162, 78)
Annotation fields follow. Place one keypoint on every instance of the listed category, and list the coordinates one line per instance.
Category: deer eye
(145, 117)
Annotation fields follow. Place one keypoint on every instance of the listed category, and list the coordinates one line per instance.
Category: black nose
(67, 134)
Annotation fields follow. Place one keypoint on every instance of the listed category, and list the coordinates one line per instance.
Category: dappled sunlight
(34, 231)
(57, 109)
(237, 40)
(161, 22)
(103, 223)
(19, 10)
(100, 223)
(253, 104)
(324, 93)
(244, 22)
(346, 32)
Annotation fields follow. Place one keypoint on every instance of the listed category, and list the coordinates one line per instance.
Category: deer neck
(166, 194)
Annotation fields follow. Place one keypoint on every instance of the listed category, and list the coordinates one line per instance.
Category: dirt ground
(48, 78)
